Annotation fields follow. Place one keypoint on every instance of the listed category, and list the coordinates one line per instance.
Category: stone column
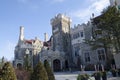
(61, 64)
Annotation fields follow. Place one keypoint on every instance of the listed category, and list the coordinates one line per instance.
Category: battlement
(59, 17)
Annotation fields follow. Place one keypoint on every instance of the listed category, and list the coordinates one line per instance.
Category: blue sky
(35, 16)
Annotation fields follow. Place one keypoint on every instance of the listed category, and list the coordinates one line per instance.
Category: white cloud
(96, 7)
(99, 5)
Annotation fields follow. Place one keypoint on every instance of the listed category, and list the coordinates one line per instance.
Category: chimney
(21, 36)
(45, 37)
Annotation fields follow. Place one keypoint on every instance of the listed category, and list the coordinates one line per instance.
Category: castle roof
(48, 43)
(29, 41)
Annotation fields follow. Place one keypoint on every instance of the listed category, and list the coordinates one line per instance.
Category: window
(77, 51)
(81, 33)
(30, 52)
(118, 6)
(101, 55)
(87, 57)
(75, 36)
(66, 29)
(16, 55)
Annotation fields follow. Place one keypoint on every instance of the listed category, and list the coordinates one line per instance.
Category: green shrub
(114, 72)
(104, 75)
(83, 77)
(49, 70)
(89, 67)
(119, 72)
(39, 72)
(97, 75)
(8, 72)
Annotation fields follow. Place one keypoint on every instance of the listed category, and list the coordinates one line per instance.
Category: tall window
(119, 7)
(87, 57)
(101, 55)
(81, 34)
(77, 51)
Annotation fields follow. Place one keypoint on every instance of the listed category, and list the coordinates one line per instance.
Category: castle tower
(21, 36)
(60, 31)
(61, 35)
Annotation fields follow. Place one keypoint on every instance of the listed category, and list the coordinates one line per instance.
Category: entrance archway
(56, 65)
(45, 61)
(19, 66)
(66, 65)
(78, 62)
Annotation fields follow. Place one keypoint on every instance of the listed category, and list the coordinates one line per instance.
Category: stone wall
(117, 60)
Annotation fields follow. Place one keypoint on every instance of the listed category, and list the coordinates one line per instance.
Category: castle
(65, 49)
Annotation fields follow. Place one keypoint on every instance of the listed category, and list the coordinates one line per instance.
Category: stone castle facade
(83, 54)
(59, 53)
(115, 2)
(30, 48)
(65, 50)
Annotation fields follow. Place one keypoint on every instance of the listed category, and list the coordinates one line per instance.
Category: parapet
(59, 17)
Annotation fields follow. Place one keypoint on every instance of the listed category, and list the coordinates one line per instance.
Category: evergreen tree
(39, 72)
(2, 62)
(8, 72)
(109, 23)
(27, 63)
(0, 74)
(106, 32)
(49, 70)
